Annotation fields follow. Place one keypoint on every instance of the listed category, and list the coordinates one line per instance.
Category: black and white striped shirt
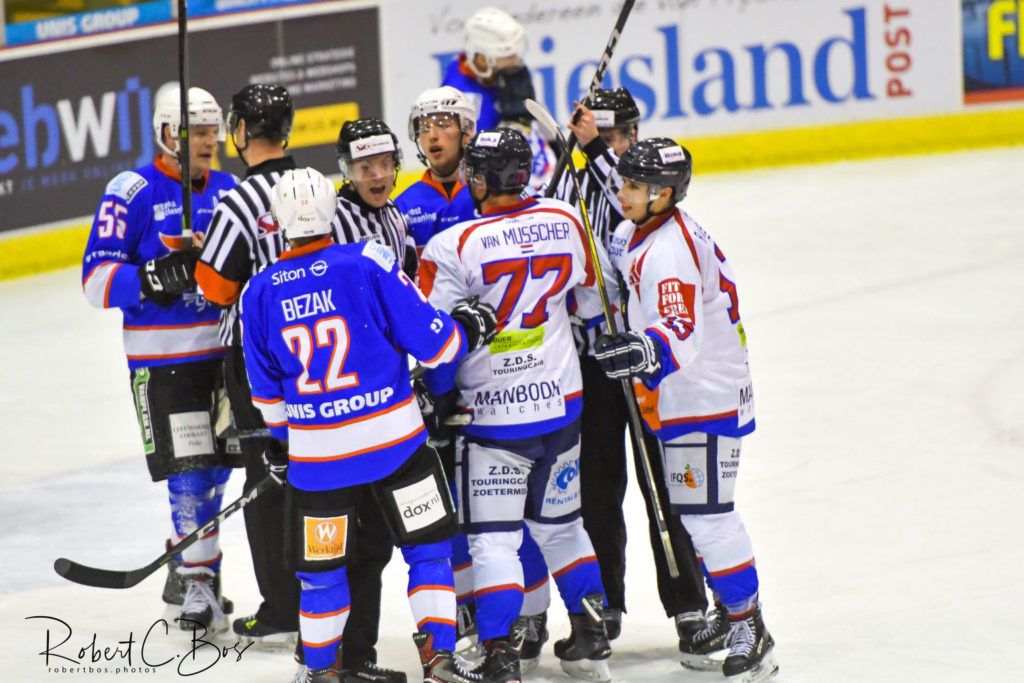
(242, 240)
(357, 221)
(599, 186)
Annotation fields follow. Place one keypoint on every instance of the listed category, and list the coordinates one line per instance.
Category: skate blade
(219, 625)
(469, 649)
(283, 641)
(765, 669)
(588, 669)
(528, 665)
(695, 662)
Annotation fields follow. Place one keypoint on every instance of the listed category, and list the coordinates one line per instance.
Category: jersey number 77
(519, 272)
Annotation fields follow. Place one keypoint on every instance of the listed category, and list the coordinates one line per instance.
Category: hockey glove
(513, 89)
(478, 321)
(628, 354)
(275, 458)
(165, 278)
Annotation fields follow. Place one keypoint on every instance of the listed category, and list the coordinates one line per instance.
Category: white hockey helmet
(443, 100)
(495, 34)
(203, 110)
(304, 203)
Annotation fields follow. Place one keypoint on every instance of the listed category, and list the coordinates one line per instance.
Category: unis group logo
(993, 43)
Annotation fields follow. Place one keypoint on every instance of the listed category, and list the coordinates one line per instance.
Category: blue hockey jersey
(138, 219)
(326, 331)
(428, 208)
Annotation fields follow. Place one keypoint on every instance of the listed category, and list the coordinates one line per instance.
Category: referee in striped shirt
(244, 238)
(605, 130)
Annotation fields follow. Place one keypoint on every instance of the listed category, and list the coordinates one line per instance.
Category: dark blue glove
(628, 354)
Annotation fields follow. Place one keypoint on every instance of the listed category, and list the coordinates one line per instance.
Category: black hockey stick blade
(114, 578)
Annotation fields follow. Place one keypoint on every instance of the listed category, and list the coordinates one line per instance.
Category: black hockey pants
(603, 487)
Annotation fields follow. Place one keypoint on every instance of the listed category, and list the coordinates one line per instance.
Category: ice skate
(467, 644)
(584, 654)
(613, 623)
(440, 666)
(534, 633)
(501, 662)
(369, 672)
(201, 609)
(751, 657)
(251, 630)
(700, 639)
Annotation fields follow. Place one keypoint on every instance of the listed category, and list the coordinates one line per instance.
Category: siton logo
(326, 532)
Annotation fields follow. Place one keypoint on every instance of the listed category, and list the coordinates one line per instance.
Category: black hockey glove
(513, 89)
(275, 457)
(478, 321)
(165, 278)
(628, 354)
(438, 414)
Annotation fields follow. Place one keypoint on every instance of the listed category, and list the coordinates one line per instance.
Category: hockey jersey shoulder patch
(379, 254)
(126, 185)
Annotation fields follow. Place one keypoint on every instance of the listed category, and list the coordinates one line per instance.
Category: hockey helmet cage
(266, 109)
(203, 110)
(614, 108)
(659, 162)
(495, 34)
(500, 158)
(363, 138)
(443, 100)
(304, 203)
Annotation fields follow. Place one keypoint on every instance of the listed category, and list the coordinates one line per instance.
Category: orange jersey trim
(217, 288)
(184, 326)
(190, 354)
(361, 418)
(315, 245)
(431, 587)
(361, 451)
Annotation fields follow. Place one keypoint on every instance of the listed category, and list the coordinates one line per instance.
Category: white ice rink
(884, 307)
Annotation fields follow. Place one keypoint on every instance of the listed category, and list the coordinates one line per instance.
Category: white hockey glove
(628, 354)
(478, 320)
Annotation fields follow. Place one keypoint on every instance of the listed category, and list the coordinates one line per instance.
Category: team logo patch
(693, 477)
(318, 268)
(325, 538)
(675, 298)
(420, 504)
(266, 225)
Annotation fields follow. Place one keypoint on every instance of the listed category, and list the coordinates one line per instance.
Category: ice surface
(884, 306)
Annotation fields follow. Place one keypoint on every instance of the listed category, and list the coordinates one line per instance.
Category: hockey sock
(537, 594)
(567, 549)
(323, 610)
(462, 566)
(727, 559)
(194, 501)
(498, 581)
(432, 591)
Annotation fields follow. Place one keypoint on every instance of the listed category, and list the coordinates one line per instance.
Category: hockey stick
(595, 83)
(113, 578)
(550, 126)
(184, 159)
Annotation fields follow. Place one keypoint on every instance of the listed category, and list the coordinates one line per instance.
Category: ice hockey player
(327, 330)
(605, 129)
(139, 260)
(441, 124)
(686, 352)
(491, 72)
(519, 458)
(369, 158)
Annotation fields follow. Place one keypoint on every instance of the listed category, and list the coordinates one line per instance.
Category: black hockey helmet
(620, 107)
(502, 157)
(366, 137)
(659, 162)
(266, 109)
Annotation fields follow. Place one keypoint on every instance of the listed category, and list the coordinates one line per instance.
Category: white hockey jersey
(523, 260)
(682, 292)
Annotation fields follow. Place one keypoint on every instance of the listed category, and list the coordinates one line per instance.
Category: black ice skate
(533, 631)
(613, 623)
(369, 672)
(585, 652)
(251, 630)
(750, 657)
(176, 585)
(202, 610)
(467, 644)
(440, 666)
(329, 674)
(700, 639)
(501, 662)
